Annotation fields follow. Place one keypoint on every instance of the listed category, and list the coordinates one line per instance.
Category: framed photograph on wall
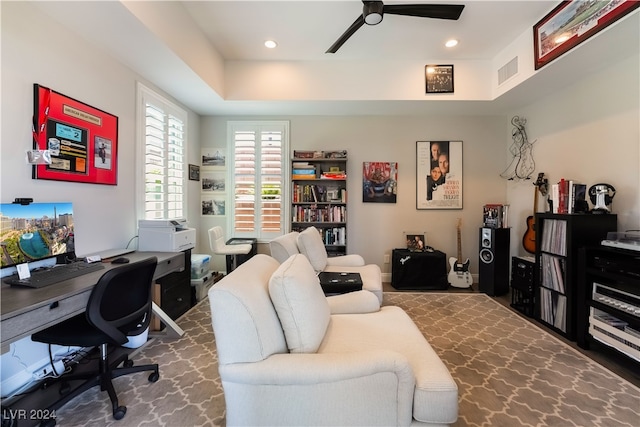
(194, 172)
(213, 205)
(572, 22)
(214, 158)
(439, 175)
(379, 182)
(214, 182)
(439, 78)
(82, 140)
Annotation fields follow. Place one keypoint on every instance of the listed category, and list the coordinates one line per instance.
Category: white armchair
(287, 358)
(309, 243)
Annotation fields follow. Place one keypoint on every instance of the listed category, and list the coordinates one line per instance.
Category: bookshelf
(558, 238)
(319, 196)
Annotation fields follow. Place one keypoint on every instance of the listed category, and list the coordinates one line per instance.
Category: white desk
(25, 311)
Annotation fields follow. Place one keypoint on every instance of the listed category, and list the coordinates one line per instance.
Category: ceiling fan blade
(344, 37)
(439, 11)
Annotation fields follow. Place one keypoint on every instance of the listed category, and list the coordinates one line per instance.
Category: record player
(623, 240)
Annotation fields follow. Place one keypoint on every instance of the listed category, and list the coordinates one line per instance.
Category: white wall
(572, 129)
(37, 50)
(589, 132)
(374, 229)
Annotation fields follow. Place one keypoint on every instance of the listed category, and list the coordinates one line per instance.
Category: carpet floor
(509, 372)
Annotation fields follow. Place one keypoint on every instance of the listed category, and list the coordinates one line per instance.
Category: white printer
(165, 235)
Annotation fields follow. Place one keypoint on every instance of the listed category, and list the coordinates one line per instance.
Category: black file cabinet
(419, 270)
(175, 290)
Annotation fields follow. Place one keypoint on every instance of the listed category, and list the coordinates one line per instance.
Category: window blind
(164, 158)
(258, 176)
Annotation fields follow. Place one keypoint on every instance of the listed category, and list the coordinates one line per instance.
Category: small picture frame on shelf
(333, 194)
(415, 241)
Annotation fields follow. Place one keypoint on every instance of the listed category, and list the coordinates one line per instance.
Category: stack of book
(303, 170)
(495, 215)
(567, 196)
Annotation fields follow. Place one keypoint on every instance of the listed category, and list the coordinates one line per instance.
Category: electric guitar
(459, 275)
(529, 238)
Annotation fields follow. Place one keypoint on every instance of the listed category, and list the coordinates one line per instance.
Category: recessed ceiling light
(451, 43)
(270, 44)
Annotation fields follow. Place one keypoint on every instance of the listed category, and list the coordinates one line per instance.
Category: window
(259, 178)
(162, 140)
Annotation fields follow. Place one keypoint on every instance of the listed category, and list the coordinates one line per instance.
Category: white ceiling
(304, 30)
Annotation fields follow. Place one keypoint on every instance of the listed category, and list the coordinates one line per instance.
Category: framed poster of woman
(439, 175)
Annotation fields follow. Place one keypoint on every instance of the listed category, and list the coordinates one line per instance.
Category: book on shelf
(304, 171)
(306, 154)
(303, 176)
(568, 196)
(554, 236)
(334, 175)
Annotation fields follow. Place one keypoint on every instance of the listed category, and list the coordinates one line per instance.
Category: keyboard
(51, 275)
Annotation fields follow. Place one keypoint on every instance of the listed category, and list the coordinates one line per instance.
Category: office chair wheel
(153, 377)
(119, 412)
(128, 363)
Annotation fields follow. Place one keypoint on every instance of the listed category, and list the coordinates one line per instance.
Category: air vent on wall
(508, 70)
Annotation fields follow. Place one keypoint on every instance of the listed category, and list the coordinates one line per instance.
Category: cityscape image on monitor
(35, 231)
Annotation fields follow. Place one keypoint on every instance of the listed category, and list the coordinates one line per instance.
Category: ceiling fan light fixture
(451, 43)
(372, 12)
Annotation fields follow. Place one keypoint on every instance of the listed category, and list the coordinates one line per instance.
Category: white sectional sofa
(309, 243)
(288, 355)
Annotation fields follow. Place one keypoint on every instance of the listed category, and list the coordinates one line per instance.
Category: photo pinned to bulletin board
(82, 140)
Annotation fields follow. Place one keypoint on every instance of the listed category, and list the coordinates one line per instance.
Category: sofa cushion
(282, 247)
(310, 244)
(435, 398)
(353, 302)
(245, 323)
(300, 303)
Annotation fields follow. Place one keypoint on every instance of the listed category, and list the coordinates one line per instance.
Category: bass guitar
(459, 275)
(529, 238)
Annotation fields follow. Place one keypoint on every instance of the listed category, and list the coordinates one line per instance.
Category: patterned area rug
(509, 373)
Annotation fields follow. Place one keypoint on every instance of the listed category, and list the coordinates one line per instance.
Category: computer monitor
(35, 232)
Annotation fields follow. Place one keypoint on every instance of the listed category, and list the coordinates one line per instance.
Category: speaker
(493, 278)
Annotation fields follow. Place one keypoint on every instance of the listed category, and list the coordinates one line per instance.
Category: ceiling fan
(372, 12)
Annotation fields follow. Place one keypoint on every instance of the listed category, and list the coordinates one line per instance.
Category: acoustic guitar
(459, 275)
(529, 238)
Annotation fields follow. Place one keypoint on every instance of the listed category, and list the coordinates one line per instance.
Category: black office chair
(119, 306)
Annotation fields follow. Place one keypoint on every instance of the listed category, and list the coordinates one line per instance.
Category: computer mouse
(120, 260)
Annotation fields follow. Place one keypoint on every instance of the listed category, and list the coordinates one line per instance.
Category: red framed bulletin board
(82, 140)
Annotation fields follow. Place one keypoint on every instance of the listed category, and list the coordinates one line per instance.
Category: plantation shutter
(164, 158)
(258, 178)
